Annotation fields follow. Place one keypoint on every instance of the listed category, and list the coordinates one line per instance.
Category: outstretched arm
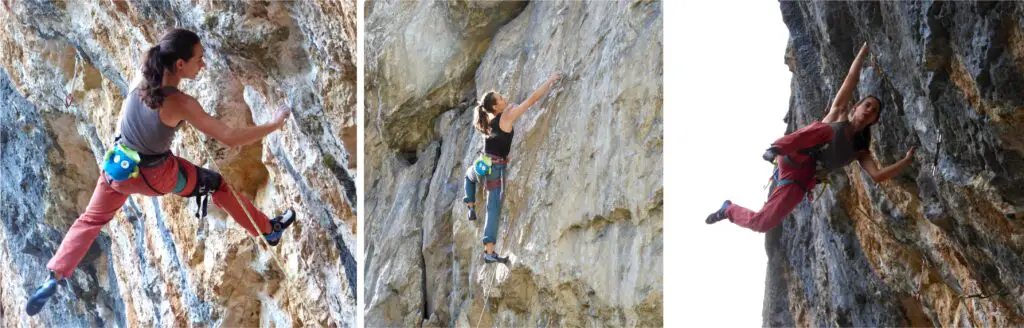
(230, 136)
(514, 113)
(841, 103)
(870, 165)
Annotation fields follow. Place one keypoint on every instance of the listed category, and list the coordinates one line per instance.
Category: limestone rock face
(942, 243)
(155, 264)
(582, 218)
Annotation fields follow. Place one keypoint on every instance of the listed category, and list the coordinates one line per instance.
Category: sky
(727, 90)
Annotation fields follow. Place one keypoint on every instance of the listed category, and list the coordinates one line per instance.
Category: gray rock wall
(941, 244)
(582, 219)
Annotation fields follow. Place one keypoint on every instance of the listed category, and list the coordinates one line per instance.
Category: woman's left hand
(555, 77)
(910, 154)
(282, 114)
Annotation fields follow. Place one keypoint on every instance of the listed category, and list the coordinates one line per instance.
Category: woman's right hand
(864, 48)
(555, 77)
(910, 154)
(282, 114)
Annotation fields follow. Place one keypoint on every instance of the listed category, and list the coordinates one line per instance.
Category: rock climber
(494, 118)
(140, 161)
(809, 154)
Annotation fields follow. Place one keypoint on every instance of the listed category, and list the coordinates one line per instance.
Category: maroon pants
(785, 198)
(108, 198)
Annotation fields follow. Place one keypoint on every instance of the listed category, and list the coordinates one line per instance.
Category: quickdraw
(69, 100)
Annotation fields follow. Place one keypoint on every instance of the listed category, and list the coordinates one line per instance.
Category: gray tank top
(141, 128)
(839, 152)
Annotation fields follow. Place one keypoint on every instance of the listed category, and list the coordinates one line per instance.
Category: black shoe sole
(718, 215)
(34, 304)
(769, 156)
(498, 260)
(277, 225)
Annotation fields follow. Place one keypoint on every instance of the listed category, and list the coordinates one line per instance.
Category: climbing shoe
(493, 257)
(279, 224)
(472, 214)
(39, 297)
(718, 215)
(770, 154)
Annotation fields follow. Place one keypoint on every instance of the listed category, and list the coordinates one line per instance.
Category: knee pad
(207, 182)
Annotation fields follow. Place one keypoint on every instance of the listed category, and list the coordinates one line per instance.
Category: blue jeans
(493, 198)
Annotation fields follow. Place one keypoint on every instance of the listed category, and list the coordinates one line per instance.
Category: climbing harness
(490, 160)
(776, 182)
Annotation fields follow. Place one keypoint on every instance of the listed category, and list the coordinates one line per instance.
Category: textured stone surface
(941, 244)
(582, 222)
(155, 264)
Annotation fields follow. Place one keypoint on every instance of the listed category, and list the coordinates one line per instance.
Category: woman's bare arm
(512, 114)
(193, 112)
(870, 165)
(841, 103)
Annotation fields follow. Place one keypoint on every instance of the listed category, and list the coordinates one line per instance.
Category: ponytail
(480, 121)
(486, 105)
(174, 45)
(151, 91)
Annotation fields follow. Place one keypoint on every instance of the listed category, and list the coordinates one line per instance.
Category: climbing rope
(486, 301)
(251, 221)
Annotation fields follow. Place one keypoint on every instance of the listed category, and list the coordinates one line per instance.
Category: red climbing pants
(108, 198)
(785, 198)
(812, 135)
(780, 203)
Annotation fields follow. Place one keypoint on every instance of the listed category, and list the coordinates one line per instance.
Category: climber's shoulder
(182, 103)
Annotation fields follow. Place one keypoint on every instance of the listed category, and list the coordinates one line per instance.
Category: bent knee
(769, 222)
(207, 181)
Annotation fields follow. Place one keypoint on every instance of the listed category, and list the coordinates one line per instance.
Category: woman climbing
(494, 118)
(140, 161)
(811, 153)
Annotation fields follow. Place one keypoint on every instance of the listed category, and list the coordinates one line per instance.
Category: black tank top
(499, 143)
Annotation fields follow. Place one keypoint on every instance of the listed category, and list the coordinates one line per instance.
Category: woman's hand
(282, 114)
(555, 77)
(910, 154)
(870, 165)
